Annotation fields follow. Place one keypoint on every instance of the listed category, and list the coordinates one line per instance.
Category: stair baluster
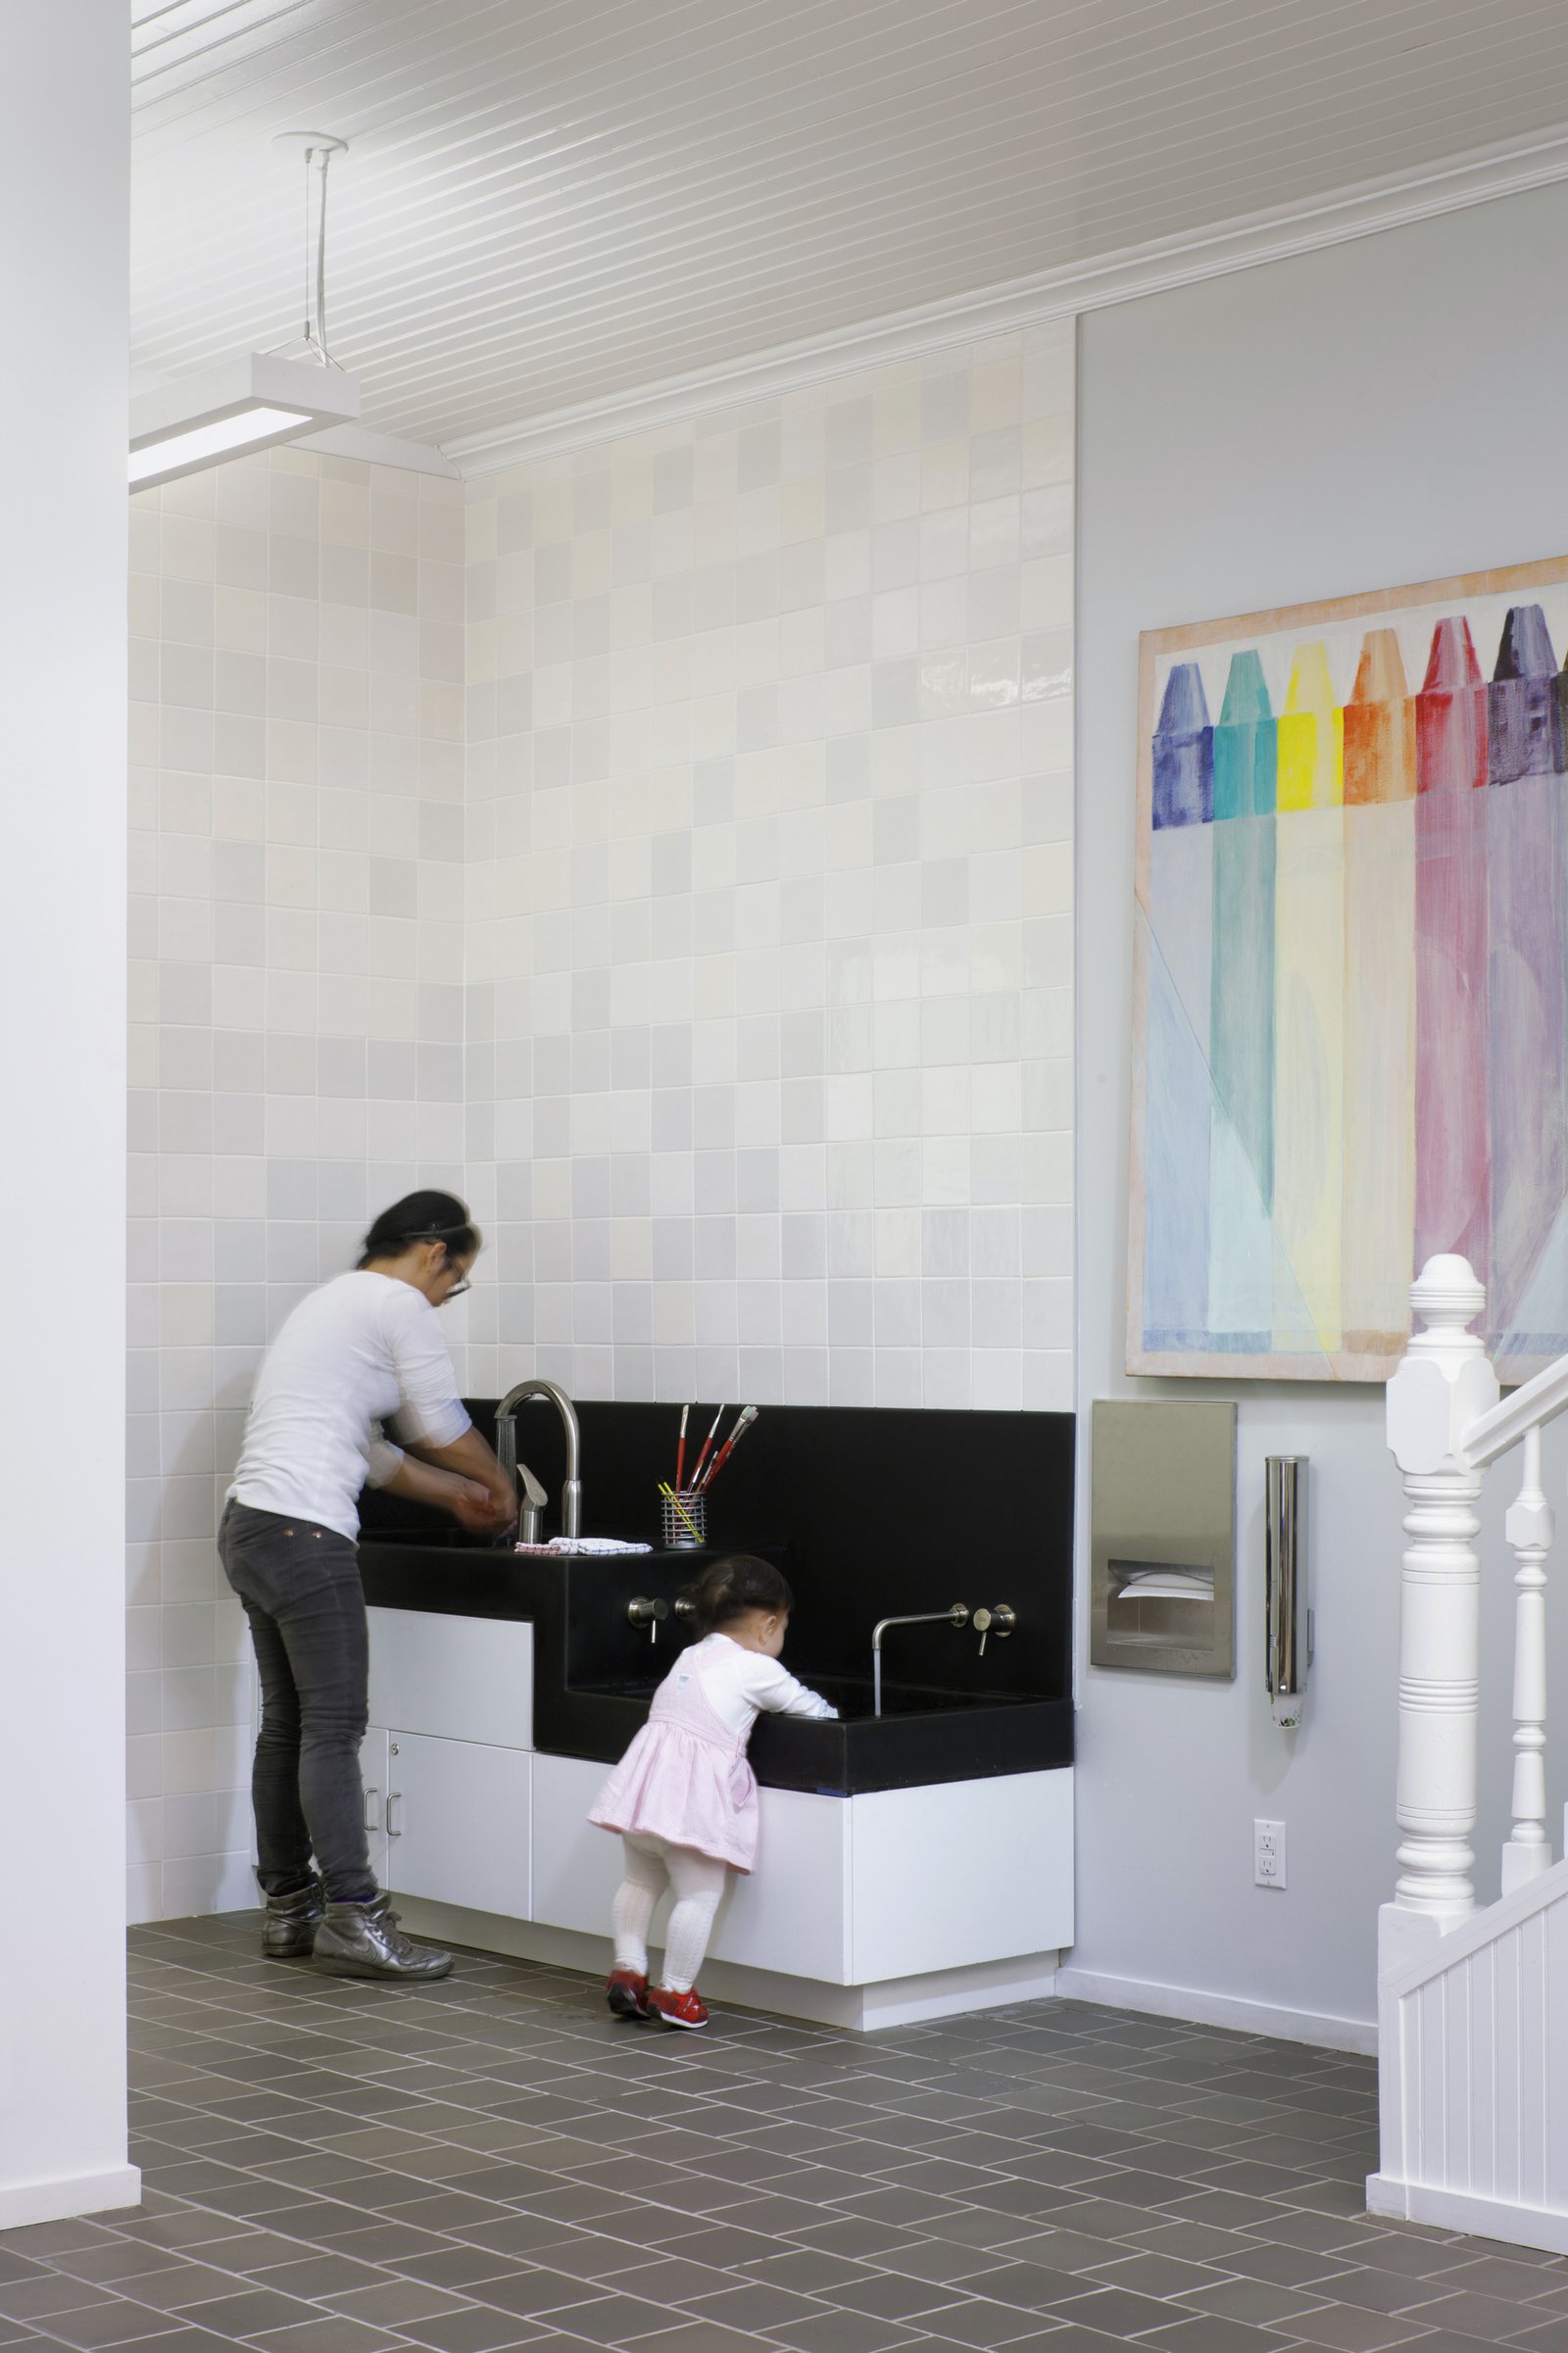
(1528, 1528)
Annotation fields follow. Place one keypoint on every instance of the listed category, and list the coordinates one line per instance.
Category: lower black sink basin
(922, 1734)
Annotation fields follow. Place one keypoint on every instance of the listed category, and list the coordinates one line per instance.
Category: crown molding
(1478, 176)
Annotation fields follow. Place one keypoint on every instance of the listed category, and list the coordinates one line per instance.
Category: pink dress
(685, 1778)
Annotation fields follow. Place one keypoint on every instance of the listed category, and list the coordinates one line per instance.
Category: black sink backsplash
(872, 1512)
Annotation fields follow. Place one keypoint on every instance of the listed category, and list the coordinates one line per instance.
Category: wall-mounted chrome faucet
(957, 1615)
(506, 1453)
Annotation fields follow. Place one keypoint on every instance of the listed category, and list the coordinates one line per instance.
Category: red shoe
(678, 2009)
(627, 1993)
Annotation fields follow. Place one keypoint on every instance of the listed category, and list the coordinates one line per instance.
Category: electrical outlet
(1268, 1854)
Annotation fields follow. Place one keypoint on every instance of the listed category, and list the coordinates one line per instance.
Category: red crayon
(1452, 1206)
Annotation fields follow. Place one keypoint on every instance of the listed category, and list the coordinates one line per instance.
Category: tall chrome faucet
(507, 1445)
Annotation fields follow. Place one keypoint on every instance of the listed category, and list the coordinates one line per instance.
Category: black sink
(594, 1674)
(922, 1735)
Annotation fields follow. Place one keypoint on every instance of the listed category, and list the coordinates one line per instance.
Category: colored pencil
(670, 1497)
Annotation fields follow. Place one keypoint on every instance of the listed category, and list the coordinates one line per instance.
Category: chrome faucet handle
(685, 1610)
(998, 1620)
(531, 1507)
(650, 1613)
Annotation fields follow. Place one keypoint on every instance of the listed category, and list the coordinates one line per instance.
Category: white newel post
(1442, 1384)
(1529, 1527)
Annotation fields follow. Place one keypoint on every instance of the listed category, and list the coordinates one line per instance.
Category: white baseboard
(1218, 2010)
(868, 2009)
(1457, 2210)
(57, 2201)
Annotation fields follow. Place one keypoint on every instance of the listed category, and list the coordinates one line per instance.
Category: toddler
(683, 1796)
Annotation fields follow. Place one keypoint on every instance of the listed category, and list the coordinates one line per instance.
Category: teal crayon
(1242, 1013)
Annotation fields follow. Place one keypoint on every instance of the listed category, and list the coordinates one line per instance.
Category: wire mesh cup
(685, 1522)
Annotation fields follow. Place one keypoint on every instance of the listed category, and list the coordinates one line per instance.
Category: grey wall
(1385, 412)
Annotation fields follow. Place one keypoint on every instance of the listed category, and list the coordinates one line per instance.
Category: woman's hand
(483, 1507)
(478, 1508)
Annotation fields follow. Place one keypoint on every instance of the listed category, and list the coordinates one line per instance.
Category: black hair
(734, 1586)
(422, 1217)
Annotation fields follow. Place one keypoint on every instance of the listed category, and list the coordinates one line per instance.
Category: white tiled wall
(719, 951)
(297, 654)
(771, 889)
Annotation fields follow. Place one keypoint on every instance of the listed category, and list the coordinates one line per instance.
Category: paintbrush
(680, 1453)
(748, 1415)
(696, 1468)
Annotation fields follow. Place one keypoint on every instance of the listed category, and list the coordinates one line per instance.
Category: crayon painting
(1350, 998)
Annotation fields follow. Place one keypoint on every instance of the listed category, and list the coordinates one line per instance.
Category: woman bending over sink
(683, 1796)
(363, 1348)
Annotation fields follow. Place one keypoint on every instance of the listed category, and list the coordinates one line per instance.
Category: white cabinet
(848, 1891)
(457, 1817)
(460, 1679)
(790, 1914)
(576, 1867)
(373, 1772)
(960, 1872)
(447, 1763)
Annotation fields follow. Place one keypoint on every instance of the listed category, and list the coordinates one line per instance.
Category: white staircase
(1472, 2000)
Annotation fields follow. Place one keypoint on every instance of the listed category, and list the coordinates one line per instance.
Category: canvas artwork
(1351, 991)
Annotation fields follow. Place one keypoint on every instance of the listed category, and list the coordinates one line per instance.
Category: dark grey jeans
(300, 1585)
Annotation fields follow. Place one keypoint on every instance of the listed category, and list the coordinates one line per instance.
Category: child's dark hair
(733, 1585)
(422, 1217)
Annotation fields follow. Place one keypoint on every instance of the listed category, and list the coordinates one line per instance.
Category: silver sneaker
(363, 1940)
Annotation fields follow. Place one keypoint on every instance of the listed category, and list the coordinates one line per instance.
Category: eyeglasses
(462, 1285)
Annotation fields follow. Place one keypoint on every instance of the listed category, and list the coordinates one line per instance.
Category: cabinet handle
(372, 1801)
(393, 1798)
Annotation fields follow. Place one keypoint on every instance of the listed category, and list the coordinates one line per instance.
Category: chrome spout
(506, 1446)
(957, 1615)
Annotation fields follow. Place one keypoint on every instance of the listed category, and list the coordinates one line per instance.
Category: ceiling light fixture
(265, 398)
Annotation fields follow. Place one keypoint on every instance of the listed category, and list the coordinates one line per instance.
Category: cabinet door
(963, 1872)
(576, 1868)
(373, 1772)
(458, 1823)
(790, 1914)
(460, 1679)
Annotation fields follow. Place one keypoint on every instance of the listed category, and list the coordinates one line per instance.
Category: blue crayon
(1180, 952)
(1184, 752)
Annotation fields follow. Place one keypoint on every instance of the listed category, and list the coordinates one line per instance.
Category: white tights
(652, 1864)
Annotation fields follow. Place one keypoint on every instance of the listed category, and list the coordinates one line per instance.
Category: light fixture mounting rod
(318, 147)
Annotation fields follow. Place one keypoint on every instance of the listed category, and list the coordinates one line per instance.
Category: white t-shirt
(740, 1685)
(361, 1348)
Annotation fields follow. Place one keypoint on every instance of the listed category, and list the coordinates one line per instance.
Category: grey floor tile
(491, 2164)
(115, 2324)
(324, 2335)
(478, 2330)
(979, 2323)
(835, 2333)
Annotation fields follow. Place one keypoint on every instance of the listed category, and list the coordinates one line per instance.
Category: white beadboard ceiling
(553, 202)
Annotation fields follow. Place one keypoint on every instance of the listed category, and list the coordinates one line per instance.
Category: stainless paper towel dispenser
(1287, 1620)
(1163, 1537)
